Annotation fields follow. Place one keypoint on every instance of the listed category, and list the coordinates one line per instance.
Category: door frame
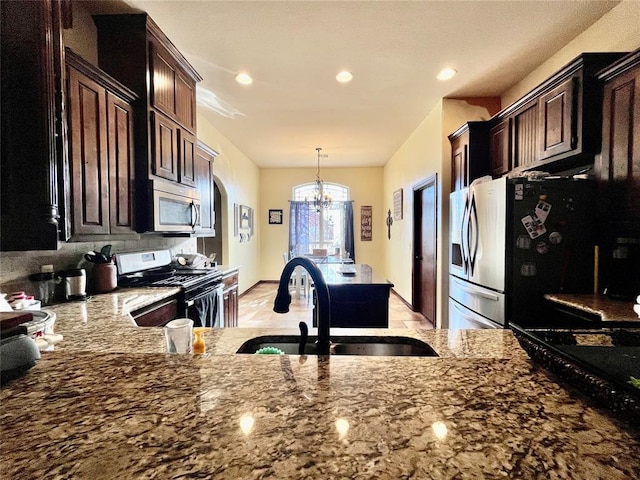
(415, 283)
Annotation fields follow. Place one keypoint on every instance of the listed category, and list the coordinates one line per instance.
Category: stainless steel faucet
(323, 305)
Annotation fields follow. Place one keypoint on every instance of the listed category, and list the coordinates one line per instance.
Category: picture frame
(366, 223)
(243, 222)
(397, 204)
(275, 216)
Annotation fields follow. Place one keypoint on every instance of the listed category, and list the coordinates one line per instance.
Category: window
(324, 229)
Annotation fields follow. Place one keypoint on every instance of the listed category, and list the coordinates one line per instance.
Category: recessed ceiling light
(344, 77)
(244, 79)
(446, 73)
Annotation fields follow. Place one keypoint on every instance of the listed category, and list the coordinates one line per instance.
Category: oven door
(205, 306)
(175, 208)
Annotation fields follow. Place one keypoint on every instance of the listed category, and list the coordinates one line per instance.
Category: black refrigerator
(551, 232)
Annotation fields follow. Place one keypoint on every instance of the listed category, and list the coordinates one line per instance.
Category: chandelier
(320, 198)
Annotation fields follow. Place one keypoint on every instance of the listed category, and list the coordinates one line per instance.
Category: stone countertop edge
(109, 403)
(609, 310)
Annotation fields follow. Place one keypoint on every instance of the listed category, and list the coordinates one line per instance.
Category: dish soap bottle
(199, 346)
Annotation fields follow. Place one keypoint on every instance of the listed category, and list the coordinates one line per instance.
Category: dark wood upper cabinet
(469, 154)
(100, 127)
(500, 148)
(164, 153)
(557, 125)
(618, 165)
(187, 170)
(557, 120)
(89, 157)
(121, 165)
(132, 49)
(204, 158)
(33, 149)
(525, 135)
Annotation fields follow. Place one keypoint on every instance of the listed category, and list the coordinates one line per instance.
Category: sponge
(269, 351)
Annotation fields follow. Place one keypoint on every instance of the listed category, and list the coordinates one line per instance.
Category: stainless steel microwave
(175, 208)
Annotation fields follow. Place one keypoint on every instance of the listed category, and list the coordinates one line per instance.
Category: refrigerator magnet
(533, 225)
(542, 247)
(523, 242)
(542, 210)
(555, 238)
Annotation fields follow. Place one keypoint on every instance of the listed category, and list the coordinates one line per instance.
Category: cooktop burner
(169, 278)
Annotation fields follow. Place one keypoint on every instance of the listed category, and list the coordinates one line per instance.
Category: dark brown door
(425, 246)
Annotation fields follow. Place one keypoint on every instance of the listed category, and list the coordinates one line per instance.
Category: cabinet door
(618, 167)
(500, 148)
(557, 121)
(185, 93)
(89, 157)
(163, 78)
(187, 158)
(205, 187)
(121, 166)
(525, 139)
(164, 160)
(459, 163)
(231, 307)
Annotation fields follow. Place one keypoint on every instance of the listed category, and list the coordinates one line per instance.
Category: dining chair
(300, 273)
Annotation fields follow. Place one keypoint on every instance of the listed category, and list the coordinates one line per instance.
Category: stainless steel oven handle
(205, 293)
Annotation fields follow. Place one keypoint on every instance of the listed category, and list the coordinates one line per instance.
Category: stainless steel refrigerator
(512, 241)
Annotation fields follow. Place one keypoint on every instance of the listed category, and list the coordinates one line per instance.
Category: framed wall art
(366, 223)
(275, 217)
(243, 222)
(397, 204)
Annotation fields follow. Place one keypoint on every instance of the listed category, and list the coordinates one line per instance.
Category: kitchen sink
(343, 345)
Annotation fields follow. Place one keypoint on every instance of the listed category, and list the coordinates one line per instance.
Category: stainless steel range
(201, 288)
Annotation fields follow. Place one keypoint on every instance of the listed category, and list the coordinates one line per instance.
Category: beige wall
(239, 181)
(617, 31)
(426, 152)
(365, 185)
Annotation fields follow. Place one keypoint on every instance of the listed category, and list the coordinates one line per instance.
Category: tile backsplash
(15, 267)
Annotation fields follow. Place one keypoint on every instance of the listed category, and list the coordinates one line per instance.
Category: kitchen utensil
(75, 284)
(105, 277)
(178, 335)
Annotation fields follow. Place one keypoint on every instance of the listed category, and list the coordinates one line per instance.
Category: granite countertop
(364, 275)
(607, 308)
(97, 408)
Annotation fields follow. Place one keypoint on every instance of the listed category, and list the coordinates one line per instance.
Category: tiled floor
(256, 311)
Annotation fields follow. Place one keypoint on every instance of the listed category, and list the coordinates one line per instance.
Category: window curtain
(299, 234)
(349, 244)
(298, 228)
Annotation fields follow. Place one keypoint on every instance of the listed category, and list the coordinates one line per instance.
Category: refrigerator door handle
(465, 234)
(475, 319)
(472, 234)
(477, 293)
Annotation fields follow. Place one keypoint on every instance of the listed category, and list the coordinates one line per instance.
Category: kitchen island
(116, 406)
(359, 296)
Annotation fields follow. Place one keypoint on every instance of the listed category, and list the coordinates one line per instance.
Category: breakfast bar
(359, 296)
(108, 402)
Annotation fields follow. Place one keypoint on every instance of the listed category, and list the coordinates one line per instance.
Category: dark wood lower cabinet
(230, 297)
(157, 314)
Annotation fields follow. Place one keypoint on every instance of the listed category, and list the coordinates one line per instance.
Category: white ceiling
(293, 50)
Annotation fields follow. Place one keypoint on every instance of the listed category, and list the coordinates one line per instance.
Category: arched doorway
(217, 244)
